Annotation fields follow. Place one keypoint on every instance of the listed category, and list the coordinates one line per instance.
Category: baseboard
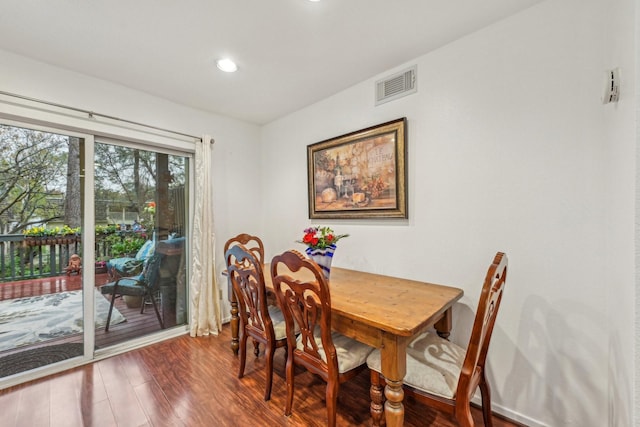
(509, 415)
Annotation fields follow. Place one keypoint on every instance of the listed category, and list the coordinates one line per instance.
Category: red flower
(308, 238)
(320, 237)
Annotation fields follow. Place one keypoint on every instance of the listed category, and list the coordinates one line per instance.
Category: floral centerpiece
(320, 237)
(321, 244)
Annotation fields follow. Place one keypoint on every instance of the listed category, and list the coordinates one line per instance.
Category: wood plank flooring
(191, 382)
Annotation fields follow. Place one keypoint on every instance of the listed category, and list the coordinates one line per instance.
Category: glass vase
(323, 258)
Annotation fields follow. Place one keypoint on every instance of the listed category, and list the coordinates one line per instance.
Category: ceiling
(290, 53)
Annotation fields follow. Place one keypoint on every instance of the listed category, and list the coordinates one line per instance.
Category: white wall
(510, 149)
(236, 158)
(619, 50)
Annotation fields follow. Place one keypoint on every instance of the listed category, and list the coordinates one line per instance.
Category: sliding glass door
(41, 221)
(93, 247)
(140, 223)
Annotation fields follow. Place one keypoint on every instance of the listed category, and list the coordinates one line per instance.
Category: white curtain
(204, 304)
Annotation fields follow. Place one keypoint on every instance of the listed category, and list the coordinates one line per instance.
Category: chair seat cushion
(127, 266)
(116, 265)
(279, 325)
(132, 286)
(351, 353)
(433, 364)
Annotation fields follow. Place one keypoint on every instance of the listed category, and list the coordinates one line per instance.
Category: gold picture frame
(361, 174)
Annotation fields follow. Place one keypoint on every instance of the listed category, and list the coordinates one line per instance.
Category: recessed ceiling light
(227, 65)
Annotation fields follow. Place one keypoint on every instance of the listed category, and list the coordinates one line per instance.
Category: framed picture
(360, 175)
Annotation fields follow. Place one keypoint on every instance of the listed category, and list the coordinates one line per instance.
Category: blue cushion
(117, 263)
(116, 266)
(145, 251)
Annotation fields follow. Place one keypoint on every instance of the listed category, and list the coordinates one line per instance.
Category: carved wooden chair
(252, 243)
(306, 303)
(443, 375)
(255, 246)
(263, 323)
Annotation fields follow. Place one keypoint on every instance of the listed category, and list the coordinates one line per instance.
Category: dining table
(384, 312)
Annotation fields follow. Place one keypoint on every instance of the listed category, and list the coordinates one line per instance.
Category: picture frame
(361, 174)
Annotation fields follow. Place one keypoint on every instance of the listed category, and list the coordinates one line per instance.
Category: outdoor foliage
(129, 175)
(127, 246)
(65, 230)
(32, 177)
(104, 230)
(41, 189)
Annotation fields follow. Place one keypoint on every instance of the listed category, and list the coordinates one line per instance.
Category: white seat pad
(433, 364)
(279, 325)
(351, 353)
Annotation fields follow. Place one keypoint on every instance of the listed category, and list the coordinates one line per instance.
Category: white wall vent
(396, 86)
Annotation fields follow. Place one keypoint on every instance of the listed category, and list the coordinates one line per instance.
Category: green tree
(127, 172)
(32, 177)
(72, 202)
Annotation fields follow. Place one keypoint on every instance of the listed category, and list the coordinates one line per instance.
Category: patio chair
(161, 267)
(128, 266)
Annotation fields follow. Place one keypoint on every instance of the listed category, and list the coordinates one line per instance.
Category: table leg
(394, 368)
(235, 322)
(376, 392)
(444, 325)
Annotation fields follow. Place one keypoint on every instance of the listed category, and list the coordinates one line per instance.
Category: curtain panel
(206, 318)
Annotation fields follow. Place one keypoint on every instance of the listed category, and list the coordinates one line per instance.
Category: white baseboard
(510, 414)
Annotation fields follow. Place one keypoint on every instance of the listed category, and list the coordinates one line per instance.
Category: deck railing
(27, 257)
(32, 257)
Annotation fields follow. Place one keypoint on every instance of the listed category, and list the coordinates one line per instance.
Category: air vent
(396, 86)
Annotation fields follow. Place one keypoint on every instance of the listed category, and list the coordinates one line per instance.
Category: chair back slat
(306, 303)
(488, 305)
(251, 243)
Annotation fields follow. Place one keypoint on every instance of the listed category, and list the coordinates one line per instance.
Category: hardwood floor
(191, 382)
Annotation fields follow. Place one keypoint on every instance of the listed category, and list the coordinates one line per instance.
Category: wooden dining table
(384, 312)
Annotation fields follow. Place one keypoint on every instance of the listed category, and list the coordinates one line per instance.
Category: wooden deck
(135, 326)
